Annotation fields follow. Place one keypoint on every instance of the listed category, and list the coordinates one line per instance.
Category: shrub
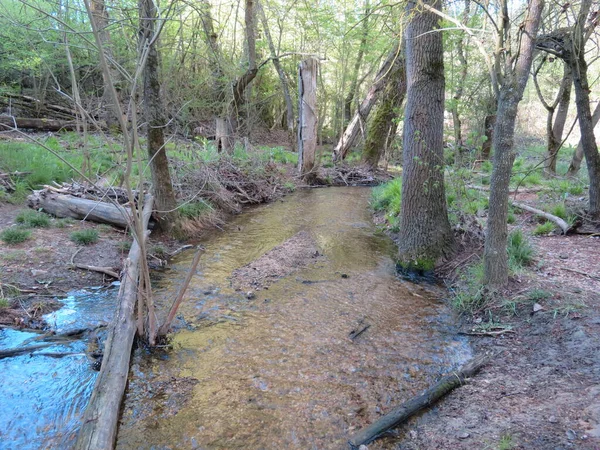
(30, 218)
(15, 235)
(84, 237)
(520, 251)
(544, 228)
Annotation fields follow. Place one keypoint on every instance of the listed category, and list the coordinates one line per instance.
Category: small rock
(250, 295)
(563, 256)
(537, 307)
(552, 419)
(344, 275)
(36, 272)
(363, 447)
(571, 435)
(463, 435)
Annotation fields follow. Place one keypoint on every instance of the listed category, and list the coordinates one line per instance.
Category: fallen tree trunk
(406, 410)
(99, 424)
(564, 226)
(60, 205)
(21, 350)
(38, 124)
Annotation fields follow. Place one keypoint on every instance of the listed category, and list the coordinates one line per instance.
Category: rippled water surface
(280, 370)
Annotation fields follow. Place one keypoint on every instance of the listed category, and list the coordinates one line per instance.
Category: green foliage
(124, 246)
(520, 251)
(4, 303)
(85, 237)
(388, 197)
(559, 210)
(506, 442)
(13, 236)
(193, 210)
(563, 187)
(538, 294)
(469, 296)
(34, 219)
(544, 228)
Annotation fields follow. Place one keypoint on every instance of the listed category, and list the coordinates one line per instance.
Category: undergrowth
(84, 237)
(12, 236)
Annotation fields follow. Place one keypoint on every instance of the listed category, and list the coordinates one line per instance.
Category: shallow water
(280, 370)
(42, 396)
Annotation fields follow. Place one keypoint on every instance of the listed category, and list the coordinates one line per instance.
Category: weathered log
(37, 124)
(564, 226)
(99, 424)
(21, 350)
(407, 409)
(60, 205)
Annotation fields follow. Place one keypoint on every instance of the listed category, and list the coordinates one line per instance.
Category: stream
(276, 370)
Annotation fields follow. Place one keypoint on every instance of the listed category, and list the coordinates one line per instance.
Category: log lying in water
(60, 205)
(407, 409)
(99, 425)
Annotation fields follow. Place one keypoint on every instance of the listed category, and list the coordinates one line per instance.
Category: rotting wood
(99, 424)
(38, 124)
(407, 409)
(564, 226)
(60, 205)
(19, 351)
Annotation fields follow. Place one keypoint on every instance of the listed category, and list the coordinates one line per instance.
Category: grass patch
(84, 237)
(469, 296)
(520, 251)
(33, 219)
(193, 210)
(388, 197)
(13, 236)
(559, 210)
(544, 228)
(124, 246)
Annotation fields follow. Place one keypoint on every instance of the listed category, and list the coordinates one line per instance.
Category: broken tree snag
(564, 226)
(407, 409)
(307, 116)
(60, 205)
(99, 424)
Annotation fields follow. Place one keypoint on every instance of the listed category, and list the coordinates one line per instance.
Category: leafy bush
(84, 237)
(34, 219)
(544, 228)
(15, 235)
(520, 251)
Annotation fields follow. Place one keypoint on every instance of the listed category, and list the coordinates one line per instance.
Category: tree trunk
(282, 78)
(578, 153)
(359, 57)
(555, 132)
(37, 124)
(162, 188)
(378, 133)
(307, 113)
(511, 92)
(425, 233)
(355, 126)
(489, 125)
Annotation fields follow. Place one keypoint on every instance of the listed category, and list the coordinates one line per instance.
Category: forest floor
(543, 389)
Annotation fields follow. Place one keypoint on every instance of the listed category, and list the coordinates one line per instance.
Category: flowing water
(272, 372)
(280, 370)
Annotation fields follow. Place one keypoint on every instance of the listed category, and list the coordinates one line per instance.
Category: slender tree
(425, 233)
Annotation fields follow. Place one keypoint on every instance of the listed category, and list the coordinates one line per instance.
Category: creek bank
(541, 391)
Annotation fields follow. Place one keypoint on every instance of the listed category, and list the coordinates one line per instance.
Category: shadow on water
(281, 370)
(42, 396)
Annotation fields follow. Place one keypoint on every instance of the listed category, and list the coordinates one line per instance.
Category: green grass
(520, 251)
(563, 187)
(559, 210)
(544, 228)
(4, 303)
(13, 236)
(469, 297)
(388, 197)
(33, 219)
(192, 210)
(538, 294)
(84, 237)
(124, 246)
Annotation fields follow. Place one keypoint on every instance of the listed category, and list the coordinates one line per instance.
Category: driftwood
(110, 271)
(99, 425)
(564, 226)
(407, 409)
(21, 350)
(61, 205)
(37, 124)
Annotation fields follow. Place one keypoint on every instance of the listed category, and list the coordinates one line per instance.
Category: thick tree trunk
(99, 423)
(578, 153)
(307, 113)
(357, 123)
(282, 78)
(162, 187)
(425, 233)
(495, 255)
(378, 132)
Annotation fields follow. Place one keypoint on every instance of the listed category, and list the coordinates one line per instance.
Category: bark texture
(425, 233)
(578, 153)
(307, 112)
(511, 92)
(162, 186)
(359, 57)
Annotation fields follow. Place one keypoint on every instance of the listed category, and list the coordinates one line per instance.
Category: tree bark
(308, 121)
(383, 121)
(359, 57)
(425, 233)
(100, 418)
(578, 153)
(37, 124)
(162, 187)
(355, 126)
(511, 92)
(555, 136)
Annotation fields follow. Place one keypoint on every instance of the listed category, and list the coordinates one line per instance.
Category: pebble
(571, 435)
(250, 295)
(463, 435)
(552, 419)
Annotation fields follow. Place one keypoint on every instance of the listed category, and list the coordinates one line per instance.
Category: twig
(593, 277)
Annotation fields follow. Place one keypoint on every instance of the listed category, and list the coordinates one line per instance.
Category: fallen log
(19, 351)
(38, 124)
(564, 226)
(61, 205)
(99, 423)
(407, 409)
